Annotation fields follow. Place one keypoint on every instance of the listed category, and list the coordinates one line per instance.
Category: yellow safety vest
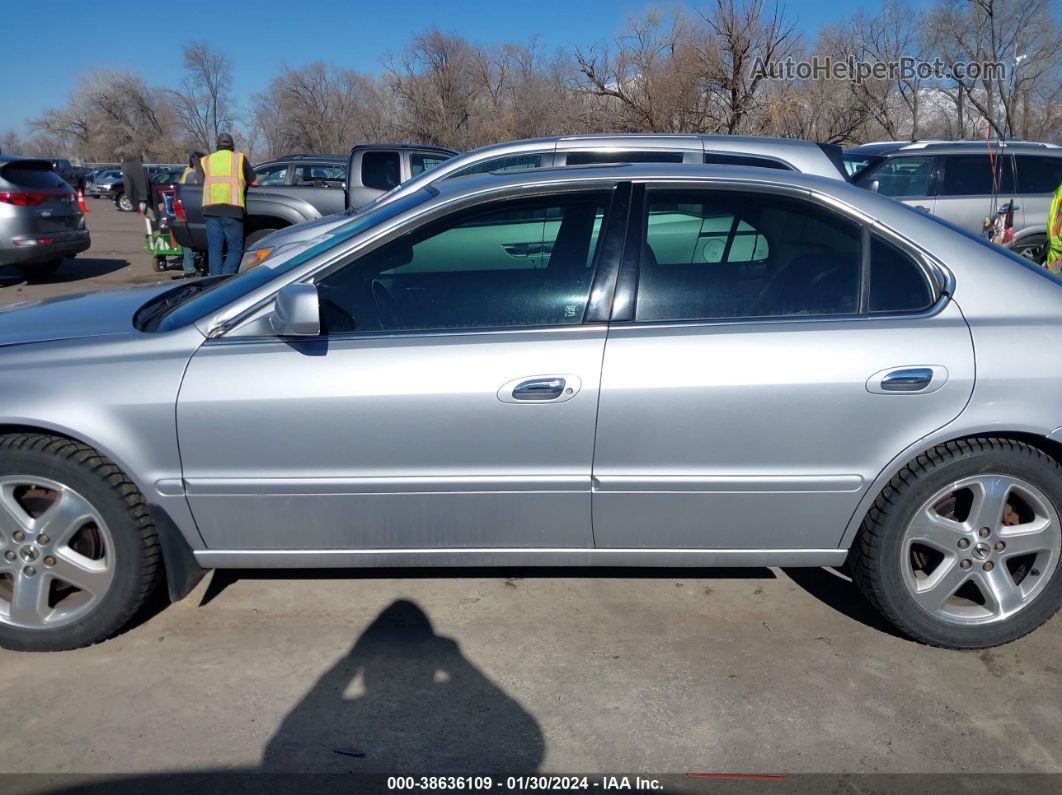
(223, 181)
(188, 171)
(1054, 242)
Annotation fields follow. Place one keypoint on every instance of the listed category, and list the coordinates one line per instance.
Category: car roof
(611, 173)
(885, 148)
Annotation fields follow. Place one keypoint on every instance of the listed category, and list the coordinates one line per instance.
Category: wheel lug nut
(963, 543)
(9, 555)
(49, 561)
(964, 564)
(19, 536)
(1000, 546)
(984, 532)
(1035, 572)
(989, 565)
(43, 539)
(29, 571)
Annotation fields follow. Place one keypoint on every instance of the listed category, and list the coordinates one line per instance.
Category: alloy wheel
(56, 554)
(981, 549)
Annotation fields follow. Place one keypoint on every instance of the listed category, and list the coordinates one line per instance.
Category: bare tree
(203, 103)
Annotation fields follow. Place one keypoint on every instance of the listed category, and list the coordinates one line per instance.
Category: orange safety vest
(223, 181)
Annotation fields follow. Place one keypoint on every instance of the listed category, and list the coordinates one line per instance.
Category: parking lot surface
(664, 671)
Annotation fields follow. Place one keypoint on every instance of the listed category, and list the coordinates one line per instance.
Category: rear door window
(897, 282)
(1038, 174)
(971, 175)
(711, 255)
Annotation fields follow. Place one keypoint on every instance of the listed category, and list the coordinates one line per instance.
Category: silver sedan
(670, 365)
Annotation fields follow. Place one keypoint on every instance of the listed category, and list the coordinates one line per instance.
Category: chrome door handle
(923, 208)
(914, 379)
(539, 389)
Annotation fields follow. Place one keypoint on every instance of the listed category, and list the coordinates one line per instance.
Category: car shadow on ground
(72, 270)
(837, 591)
(403, 698)
(223, 578)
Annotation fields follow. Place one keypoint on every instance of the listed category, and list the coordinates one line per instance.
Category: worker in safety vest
(191, 176)
(226, 175)
(1054, 233)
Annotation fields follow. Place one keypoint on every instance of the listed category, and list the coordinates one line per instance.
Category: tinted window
(589, 158)
(379, 170)
(971, 175)
(419, 162)
(272, 175)
(1038, 174)
(711, 255)
(524, 263)
(32, 177)
(511, 163)
(897, 283)
(901, 177)
(715, 158)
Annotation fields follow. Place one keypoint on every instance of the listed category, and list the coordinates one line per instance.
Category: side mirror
(874, 186)
(296, 311)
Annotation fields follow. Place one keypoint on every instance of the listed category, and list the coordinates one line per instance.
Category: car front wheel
(124, 203)
(962, 547)
(78, 552)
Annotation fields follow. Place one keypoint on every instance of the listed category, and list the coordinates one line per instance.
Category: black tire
(875, 558)
(119, 503)
(39, 271)
(255, 236)
(123, 203)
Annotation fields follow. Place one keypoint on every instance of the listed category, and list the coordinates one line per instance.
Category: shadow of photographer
(418, 704)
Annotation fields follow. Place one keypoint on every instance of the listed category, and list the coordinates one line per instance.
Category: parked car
(117, 191)
(785, 154)
(40, 222)
(954, 180)
(789, 380)
(102, 181)
(301, 187)
(72, 175)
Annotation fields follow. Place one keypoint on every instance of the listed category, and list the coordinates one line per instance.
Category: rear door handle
(913, 380)
(923, 208)
(907, 380)
(540, 389)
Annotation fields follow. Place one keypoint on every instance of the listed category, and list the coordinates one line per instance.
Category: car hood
(74, 316)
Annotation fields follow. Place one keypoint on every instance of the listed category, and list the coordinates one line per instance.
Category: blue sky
(49, 42)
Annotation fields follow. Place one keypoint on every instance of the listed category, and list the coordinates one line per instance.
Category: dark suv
(954, 180)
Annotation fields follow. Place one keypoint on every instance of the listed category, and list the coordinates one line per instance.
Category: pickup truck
(302, 187)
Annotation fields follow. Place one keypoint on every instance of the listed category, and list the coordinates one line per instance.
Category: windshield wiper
(148, 316)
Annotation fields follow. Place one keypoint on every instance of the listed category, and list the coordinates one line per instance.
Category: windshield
(855, 165)
(217, 294)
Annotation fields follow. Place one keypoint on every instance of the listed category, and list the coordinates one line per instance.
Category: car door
(1038, 178)
(965, 188)
(449, 402)
(754, 389)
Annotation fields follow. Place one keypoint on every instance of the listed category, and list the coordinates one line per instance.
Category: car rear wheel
(124, 203)
(962, 547)
(37, 271)
(1032, 248)
(78, 551)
